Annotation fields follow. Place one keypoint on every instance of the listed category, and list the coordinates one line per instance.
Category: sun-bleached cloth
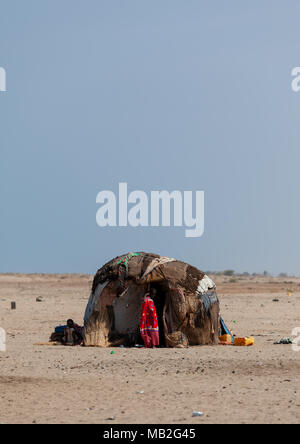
(155, 263)
(205, 284)
(149, 323)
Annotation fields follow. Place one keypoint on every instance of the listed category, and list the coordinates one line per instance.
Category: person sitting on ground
(149, 322)
(72, 334)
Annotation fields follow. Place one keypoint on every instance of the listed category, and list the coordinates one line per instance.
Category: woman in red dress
(149, 323)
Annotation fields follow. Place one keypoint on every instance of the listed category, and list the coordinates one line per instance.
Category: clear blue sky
(168, 94)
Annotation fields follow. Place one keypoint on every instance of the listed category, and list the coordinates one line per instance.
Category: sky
(163, 95)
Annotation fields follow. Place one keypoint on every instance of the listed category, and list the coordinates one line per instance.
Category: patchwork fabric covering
(186, 302)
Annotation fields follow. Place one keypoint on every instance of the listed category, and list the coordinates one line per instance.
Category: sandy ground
(42, 384)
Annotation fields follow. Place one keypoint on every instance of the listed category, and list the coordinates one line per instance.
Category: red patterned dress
(149, 323)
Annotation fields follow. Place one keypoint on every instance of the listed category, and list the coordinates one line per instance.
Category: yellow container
(225, 339)
(244, 342)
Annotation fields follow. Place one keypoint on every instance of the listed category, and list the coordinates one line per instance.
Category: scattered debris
(195, 414)
(112, 352)
(141, 392)
(284, 341)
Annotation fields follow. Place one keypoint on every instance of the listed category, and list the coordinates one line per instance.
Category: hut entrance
(125, 313)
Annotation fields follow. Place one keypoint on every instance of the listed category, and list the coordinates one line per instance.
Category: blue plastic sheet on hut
(209, 299)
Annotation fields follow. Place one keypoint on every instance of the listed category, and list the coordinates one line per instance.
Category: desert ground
(56, 384)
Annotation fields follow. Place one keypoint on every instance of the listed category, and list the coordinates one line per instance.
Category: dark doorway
(159, 301)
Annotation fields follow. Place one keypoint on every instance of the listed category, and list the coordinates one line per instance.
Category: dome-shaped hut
(186, 302)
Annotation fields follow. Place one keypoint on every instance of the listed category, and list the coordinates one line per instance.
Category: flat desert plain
(56, 384)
